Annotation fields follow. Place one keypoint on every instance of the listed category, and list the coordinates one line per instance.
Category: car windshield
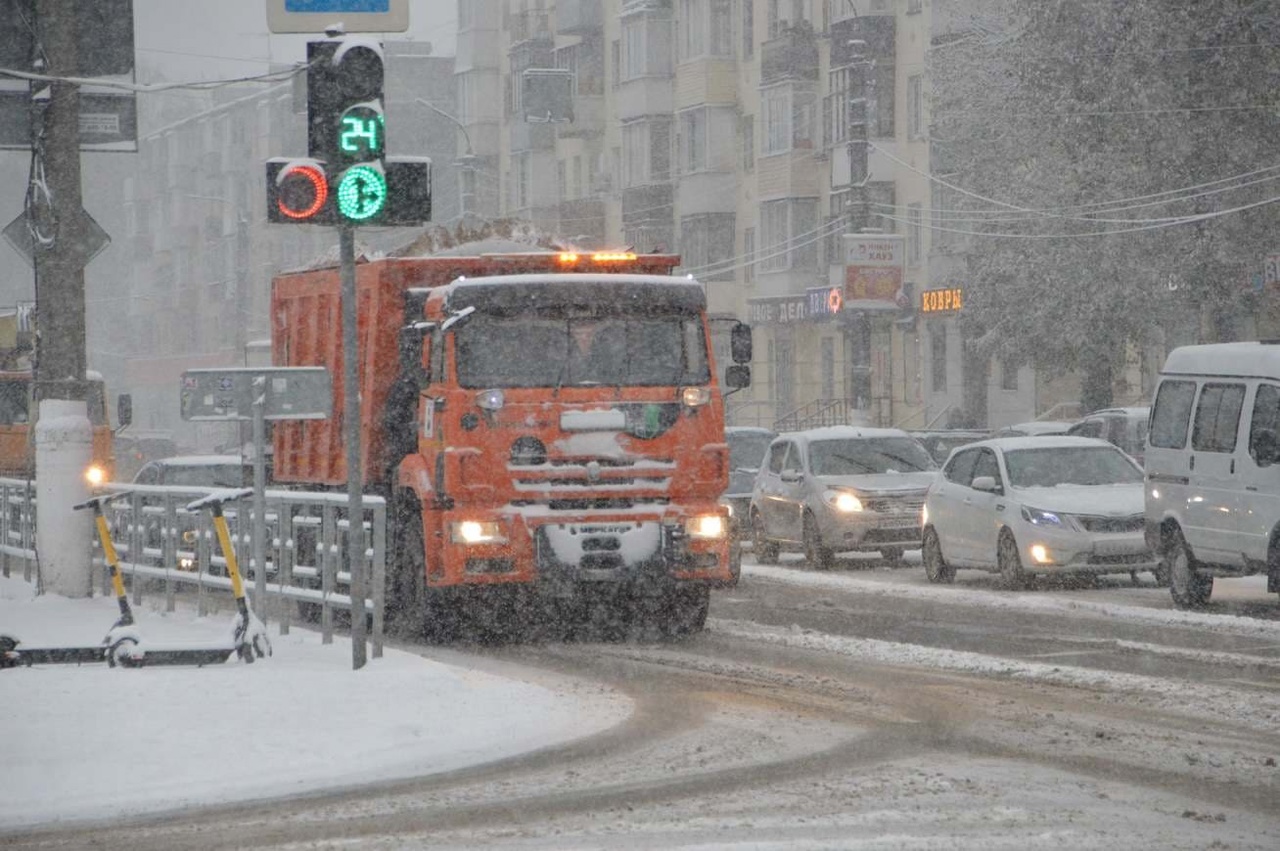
(746, 450)
(528, 351)
(207, 476)
(1069, 465)
(868, 455)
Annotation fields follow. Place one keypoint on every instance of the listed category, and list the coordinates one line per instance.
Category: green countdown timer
(361, 134)
(362, 193)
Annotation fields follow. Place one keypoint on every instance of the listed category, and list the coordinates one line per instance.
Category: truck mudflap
(649, 556)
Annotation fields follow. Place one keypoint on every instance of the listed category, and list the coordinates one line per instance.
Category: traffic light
(347, 178)
(344, 100)
(298, 192)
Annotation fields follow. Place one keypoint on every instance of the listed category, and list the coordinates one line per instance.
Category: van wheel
(766, 552)
(936, 568)
(1010, 562)
(818, 556)
(1189, 588)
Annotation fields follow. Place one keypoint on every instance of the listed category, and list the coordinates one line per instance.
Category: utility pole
(63, 434)
(858, 328)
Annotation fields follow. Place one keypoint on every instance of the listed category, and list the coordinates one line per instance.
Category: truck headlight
(472, 532)
(707, 526)
(490, 400)
(695, 397)
(843, 501)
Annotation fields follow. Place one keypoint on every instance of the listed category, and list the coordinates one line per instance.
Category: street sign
(108, 121)
(287, 393)
(356, 16)
(873, 270)
(82, 250)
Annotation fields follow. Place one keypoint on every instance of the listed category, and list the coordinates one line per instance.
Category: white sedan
(1023, 505)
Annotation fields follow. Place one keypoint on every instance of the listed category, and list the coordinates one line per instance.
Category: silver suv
(840, 488)
(1122, 427)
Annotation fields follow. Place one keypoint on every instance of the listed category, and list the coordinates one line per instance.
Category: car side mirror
(985, 483)
(737, 377)
(124, 410)
(791, 476)
(740, 343)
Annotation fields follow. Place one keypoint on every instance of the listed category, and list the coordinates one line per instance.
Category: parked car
(837, 489)
(747, 449)
(940, 443)
(1213, 484)
(133, 449)
(1034, 428)
(197, 471)
(1024, 505)
(1122, 427)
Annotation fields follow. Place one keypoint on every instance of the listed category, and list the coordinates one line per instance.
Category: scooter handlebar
(219, 497)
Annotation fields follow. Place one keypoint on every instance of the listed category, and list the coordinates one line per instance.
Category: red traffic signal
(298, 192)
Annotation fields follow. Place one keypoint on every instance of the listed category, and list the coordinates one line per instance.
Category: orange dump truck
(548, 427)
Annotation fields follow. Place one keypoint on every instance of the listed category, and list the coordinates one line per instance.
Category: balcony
(529, 25)
(791, 55)
(579, 17)
(644, 96)
(532, 137)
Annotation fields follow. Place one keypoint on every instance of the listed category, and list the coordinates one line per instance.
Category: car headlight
(843, 501)
(1036, 517)
(924, 515)
(472, 532)
(706, 526)
(95, 475)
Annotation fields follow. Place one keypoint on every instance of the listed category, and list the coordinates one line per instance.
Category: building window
(789, 118)
(561, 185)
(706, 243)
(828, 356)
(646, 47)
(692, 29)
(748, 28)
(720, 27)
(693, 141)
(646, 152)
(749, 255)
(915, 233)
(915, 106)
(914, 7)
(1008, 375)
(748, 143)
(787, 240)
(938, 357)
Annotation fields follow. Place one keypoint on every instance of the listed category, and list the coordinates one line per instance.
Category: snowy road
(856, 709)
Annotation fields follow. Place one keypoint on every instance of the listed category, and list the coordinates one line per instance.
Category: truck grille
(1132, 523)
(574, 484)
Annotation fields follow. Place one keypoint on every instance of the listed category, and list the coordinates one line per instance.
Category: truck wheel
(818, 556)
(766, 552)
(1010, 562)
(685, 611)
(1189, 588)
(936, 569)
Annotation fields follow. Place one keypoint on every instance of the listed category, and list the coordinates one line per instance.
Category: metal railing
(163, 547)
(819, 412)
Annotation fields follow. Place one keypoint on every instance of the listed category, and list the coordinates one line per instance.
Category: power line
(146, 88)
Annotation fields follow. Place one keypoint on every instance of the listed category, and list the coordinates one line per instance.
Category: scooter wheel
(118, 654)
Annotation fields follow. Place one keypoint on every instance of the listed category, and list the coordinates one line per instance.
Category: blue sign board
(337, 5)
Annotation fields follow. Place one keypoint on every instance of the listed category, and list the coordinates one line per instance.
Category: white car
(1023, 505)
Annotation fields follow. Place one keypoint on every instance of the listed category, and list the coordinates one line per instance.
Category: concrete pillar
(64, 448)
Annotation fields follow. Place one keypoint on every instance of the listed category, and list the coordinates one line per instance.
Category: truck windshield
(524, 351)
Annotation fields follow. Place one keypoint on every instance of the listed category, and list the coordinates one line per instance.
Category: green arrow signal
(362, 193)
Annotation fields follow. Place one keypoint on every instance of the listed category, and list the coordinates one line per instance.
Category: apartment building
(720, 129)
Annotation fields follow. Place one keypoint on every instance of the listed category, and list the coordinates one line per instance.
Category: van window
(1218, 418)
(776, 453)
(1172, 413)
(1266, 416)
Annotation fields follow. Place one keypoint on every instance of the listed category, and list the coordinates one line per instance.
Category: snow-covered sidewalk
(92, 742)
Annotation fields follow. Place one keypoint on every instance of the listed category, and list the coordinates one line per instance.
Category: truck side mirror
(737, 377)
(124, 410)
(740, 343)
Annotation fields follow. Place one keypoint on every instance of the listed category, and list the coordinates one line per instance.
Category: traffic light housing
(344, 100)
(347, 179)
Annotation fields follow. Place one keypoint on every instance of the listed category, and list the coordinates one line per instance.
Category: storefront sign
(947, 300)
(873, 268)
(777, 310)
(824, 302)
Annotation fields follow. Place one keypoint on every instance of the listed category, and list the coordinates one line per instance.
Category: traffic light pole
(351, 420)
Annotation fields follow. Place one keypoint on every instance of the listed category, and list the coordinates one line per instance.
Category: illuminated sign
(947, 300)
(361, 134)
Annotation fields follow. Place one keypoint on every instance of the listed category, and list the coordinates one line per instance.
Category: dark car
(747, 448)
(940, 443)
